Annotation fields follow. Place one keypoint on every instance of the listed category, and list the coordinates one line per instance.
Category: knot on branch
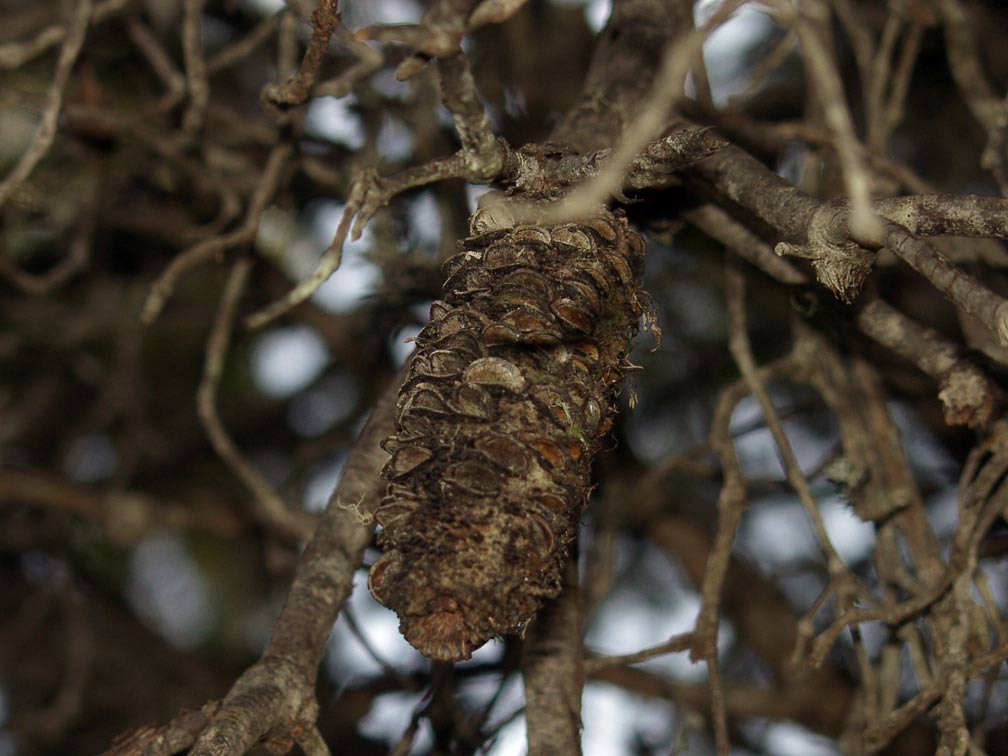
(966, 397)
(280, 98)
(544, 171)
(493, 214)
(679, 148)
(840, 264)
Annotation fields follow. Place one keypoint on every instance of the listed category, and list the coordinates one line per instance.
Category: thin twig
(878, 736)
(741, 351)
(311, 742)
(719, 714)
(367, 194)
(995, 156)
(77, 259)
(126, 515)
(269, 508)
(810, 20)
(965, 291)
(155, 54)
(676, 644)
(15, 54)
(368, 60)
(42, 140)
(964, 63)
(783, 49)
(901, 77)
(53, 719)
(205, 250)
(526, 170)
(294, 91)
(195, 65)
(458, 93)
(240, 49)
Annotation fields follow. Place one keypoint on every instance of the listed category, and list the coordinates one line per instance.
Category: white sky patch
(786, 739)
(628, 622)
(511, 739)
(168, 590)
(791, 165)
(368, 12)
(873, 636)
(286, 360)
(402, 343)
(444, 117)
(757, 454)
(422, 310)
(356, 276)
(515, 102)
(425, 220)
(943, 511)
(725, 49)
(757, 450)
(597, 13)
(389, 717)
(385, 83)
(264, 7)
(473, 194)
(395, 139)
(612, 716)
(778, 533)
(852, 537)
(346, 657)
(657, 431)
(334, 119)
(484, 687)
(490, 652)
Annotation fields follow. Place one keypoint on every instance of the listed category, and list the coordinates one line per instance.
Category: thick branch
(278, 691)
(552, 669)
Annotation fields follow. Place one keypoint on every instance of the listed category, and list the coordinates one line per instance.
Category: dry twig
(44, 135)
(269, 508)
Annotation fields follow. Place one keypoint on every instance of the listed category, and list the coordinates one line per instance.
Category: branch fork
(841, 265)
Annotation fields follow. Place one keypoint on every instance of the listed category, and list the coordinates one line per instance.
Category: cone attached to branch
(510, 394)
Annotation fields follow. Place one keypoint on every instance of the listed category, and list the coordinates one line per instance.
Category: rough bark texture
(508, 399)
(553, 673)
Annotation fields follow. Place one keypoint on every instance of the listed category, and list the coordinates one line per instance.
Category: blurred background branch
(222, 222)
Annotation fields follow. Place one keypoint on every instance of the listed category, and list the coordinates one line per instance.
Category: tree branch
(552, 670)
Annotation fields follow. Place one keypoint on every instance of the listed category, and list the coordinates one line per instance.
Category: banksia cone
(509, 396)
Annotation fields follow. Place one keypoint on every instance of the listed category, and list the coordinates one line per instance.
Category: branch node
(840, 264)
